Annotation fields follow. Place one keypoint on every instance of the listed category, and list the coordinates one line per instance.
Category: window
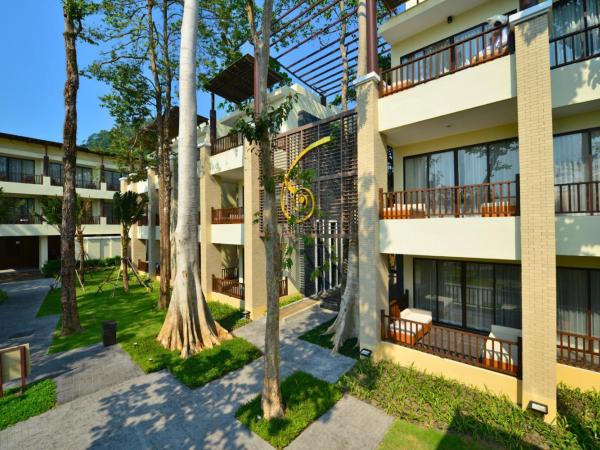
(468, 294)
(576, 163)
(578, 299)
(112, 180)
(23, 210)
(83, 177)
(56, 172)
(476, 164)
(574, 35)
(17, 170)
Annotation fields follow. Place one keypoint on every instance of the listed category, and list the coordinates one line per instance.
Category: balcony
(111, 186)
(233, 287)
(19, 177)
(86, 184)
(228, 142)
(470, 52)
(23, 219)
(227, 215)
(578, 350)
(575, 47)
(90, 220)
(499, 199)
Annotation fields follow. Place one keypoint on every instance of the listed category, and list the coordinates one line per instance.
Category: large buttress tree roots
(189, 326)
(346, 323)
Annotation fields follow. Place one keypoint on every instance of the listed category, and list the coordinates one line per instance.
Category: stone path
(77, 372)
(156, 411)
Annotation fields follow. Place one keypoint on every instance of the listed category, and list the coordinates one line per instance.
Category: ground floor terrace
(469, 312)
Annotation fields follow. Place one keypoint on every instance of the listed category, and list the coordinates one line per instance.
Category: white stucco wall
(230, 234)
(483, 238)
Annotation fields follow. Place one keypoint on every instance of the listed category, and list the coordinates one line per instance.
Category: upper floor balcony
(227, 156)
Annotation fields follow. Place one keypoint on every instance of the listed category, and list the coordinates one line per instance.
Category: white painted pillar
(43, 250)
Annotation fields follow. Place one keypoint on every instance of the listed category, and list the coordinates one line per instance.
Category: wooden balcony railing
(460, 55)
(233, 288)
(578, 350)
(90, 220)
(499, 199)
(227, 215)
(19, 177)
(574, 47)
(112, 220)
(228, 142)
(456, 344)
(25, 219)
(573, 198)
(81, 184)
(230, 273)
(142, 265)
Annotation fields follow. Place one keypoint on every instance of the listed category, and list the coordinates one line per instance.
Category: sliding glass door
(578, 300)
(469, 294)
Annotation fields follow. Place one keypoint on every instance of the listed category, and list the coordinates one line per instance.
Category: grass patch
(289, 299)
(403, 435)
(316, 336)
(38, 398)
(446, 405)
(138, 323)
(3, 296)
(306, 398)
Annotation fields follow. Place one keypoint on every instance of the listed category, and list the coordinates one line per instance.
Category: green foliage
(316, 336)
(6, 207)
(306, 398)
(38, 398)
(439, 403)
(52, 210)
(406, 436)
(228, 316)
(51, 268)
(289, 299)
(580, 413)
(129, 207)
(138, 324)
(3, 296)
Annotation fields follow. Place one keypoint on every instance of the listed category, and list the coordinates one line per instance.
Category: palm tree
(128, 209)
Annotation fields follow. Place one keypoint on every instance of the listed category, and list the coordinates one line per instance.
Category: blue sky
(32, 74)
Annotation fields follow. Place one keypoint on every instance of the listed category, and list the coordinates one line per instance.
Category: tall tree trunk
(70, 314)
(272, 401)
(189, 326)
(124, 257)
(81, 253)
(164, 171)
(344, 55)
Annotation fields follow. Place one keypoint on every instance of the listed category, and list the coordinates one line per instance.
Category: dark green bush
(51, 268)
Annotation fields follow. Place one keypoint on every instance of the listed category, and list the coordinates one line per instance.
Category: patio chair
(412, 325)
(501, 349)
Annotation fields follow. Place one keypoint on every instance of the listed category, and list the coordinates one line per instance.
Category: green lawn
(316, 336)
(3, 296)
(138, 323)
(289, 299)
(438, 403)
(407, 436)
(38, 398)
(306, 398)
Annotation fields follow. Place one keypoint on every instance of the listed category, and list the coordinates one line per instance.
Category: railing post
(520, 357)
(518, 194)
(383, 331)
(381, 203)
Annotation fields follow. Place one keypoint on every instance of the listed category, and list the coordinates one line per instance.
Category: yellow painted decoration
(302, 198)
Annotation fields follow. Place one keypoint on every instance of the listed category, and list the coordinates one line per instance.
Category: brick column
(210, 197)
(255, 286)
(538, 242)
(372, 175)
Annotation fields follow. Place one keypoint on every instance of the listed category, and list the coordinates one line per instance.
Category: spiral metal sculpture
(301, 199)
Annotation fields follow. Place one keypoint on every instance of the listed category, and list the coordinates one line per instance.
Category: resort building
(31, 169)
(482, 261)
(469, 172)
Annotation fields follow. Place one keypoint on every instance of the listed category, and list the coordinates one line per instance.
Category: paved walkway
(77, 372)
(156, 411)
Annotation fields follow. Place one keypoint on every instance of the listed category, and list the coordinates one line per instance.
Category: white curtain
(415, 171)
(570, 166)
(567, 17)
(508, 296)
(425, 279)
(480, 296)
(572, 300)
(595, 279)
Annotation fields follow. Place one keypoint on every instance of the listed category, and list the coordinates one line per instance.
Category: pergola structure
(305, 43)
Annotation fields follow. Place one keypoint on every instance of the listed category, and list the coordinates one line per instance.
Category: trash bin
(109, 333)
